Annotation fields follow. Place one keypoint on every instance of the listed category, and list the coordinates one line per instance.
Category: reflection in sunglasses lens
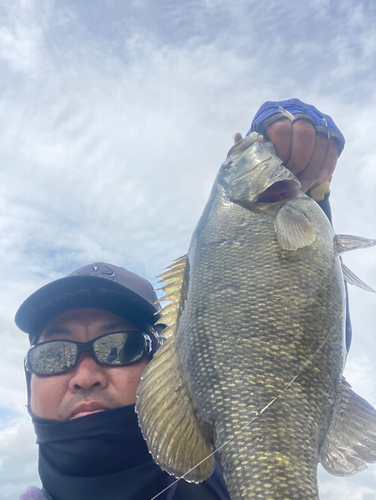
(53, 357)
(119, 348)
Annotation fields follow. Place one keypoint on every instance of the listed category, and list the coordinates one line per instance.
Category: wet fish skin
(253, 316)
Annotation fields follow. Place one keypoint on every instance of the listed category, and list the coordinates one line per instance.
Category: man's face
(88, 387)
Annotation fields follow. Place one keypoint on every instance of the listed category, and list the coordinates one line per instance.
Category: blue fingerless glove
(270, 112)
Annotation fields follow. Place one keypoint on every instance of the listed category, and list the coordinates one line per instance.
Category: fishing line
(259, 413)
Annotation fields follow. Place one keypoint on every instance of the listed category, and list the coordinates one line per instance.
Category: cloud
(359, 487)
(21, 36)
(17, 459)
(115, 117)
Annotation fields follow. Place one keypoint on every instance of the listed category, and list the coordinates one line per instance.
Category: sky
(114, 119)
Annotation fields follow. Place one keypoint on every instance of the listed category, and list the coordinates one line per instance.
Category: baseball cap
(99, 286)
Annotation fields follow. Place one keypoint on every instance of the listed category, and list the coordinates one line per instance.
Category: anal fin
(352, 279)
(350, 442)
(168, 421)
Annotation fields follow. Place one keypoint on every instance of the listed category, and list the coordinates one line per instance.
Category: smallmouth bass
(255, 350)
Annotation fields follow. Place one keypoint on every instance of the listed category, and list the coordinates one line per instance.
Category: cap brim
(74, 292)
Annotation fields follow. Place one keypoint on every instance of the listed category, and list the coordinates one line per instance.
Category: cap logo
(100, 271)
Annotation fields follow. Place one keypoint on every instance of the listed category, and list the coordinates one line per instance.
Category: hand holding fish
(310, 156)
(307, 141)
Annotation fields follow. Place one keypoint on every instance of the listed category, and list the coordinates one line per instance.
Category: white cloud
(360, 487)
(17, 460)
(21, 35)
(111, 134)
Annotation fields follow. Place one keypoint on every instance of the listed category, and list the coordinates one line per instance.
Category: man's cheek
(45, 396)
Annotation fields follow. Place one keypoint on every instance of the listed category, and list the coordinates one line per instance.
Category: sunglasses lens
(120, 348)
(57, 356)
(51, 358)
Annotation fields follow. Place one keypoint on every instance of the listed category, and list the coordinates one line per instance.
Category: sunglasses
(112, 349)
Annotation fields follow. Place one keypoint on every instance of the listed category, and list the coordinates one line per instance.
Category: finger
(280, 133)
(302, 144)
(313, 169)
(330, 161)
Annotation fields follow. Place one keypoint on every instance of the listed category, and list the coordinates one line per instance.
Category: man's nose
(88, 374)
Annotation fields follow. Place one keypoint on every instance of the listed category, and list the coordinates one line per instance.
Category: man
(102, 455)
(92, 335)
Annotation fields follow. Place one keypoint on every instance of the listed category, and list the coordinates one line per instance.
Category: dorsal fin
(168, 420)
(165, 411)
(175, 279)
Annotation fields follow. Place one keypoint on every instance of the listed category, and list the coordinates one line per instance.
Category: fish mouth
(266, 182)
(280, 191)
(253, 167)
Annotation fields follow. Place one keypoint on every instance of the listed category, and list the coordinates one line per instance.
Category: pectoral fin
(350, 442)
(345, 243)
(168, 421)
(293, 229)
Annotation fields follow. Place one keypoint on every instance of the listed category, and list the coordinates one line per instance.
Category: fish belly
(256, 317)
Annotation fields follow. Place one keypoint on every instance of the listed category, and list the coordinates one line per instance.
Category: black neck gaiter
(99, 456)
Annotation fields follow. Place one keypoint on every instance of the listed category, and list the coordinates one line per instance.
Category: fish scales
(253, 365)
(240, 342)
